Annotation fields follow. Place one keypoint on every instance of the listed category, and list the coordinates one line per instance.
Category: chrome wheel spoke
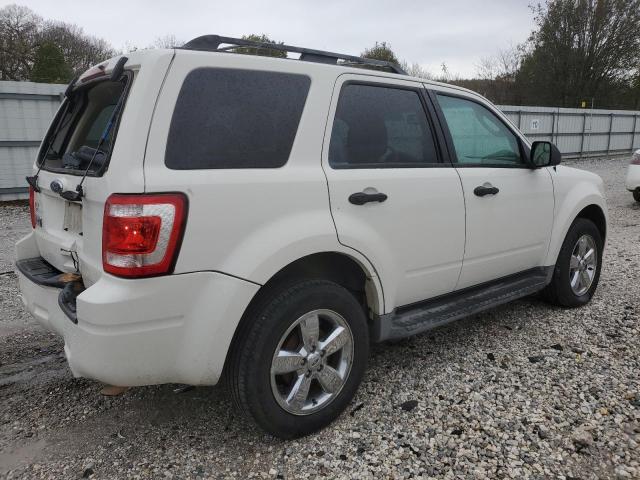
(329, 379)
(588, 257)
(584, 279)
(310, 328)
(299, 393)
(335, 341)
(574, 262)
(591, 272)
(575, 280)
(582, 246)
(287, 362)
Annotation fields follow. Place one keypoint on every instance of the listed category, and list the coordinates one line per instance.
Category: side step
(420, 317)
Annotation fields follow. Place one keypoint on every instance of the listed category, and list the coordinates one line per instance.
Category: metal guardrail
(579, 133)
(26, 109)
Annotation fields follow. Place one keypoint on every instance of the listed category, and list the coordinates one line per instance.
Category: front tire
(577, 270)
(636, 194)
(299, 357)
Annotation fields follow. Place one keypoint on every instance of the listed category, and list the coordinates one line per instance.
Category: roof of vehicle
(349, 63)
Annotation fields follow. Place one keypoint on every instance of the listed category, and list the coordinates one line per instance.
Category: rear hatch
(96, 140)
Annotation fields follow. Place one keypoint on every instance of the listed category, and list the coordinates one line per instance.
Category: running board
(420, 317)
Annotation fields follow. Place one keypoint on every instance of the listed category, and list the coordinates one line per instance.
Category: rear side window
(380, 127)
(228, 118)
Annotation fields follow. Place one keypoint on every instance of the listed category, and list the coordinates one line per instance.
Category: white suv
(262, 220)
(632, 181)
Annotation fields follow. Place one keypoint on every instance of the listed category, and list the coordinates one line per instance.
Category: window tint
(227, 118)
(98, 127)
(377, 127)
(478, 135)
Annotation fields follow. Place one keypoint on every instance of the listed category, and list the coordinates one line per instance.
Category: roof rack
(211, 43)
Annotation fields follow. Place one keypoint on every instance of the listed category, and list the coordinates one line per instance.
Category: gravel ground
(525, 390)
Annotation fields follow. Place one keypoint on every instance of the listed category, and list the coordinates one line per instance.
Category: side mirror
(545, 154)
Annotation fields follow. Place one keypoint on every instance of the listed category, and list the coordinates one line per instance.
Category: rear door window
(231, 118)
(380, 127)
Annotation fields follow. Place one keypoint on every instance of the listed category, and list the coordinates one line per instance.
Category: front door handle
(486, 189)
(360, 198)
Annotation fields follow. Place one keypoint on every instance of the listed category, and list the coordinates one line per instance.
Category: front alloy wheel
(584, 262)
(577, 269)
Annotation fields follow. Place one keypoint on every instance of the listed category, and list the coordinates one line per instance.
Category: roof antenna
(115, 75)
(33, 179)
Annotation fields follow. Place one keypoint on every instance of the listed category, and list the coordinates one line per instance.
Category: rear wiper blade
(115, 75)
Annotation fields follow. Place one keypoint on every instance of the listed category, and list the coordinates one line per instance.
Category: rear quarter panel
(250, 222)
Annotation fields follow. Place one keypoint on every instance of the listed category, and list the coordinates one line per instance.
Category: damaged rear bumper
(170, 329)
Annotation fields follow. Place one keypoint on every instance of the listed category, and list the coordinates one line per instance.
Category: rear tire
(577, 270)
(636, 194)
(299, 358)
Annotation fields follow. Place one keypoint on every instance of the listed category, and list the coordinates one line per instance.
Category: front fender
(574, 190)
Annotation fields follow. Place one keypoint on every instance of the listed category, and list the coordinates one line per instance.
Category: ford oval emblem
(56, 186)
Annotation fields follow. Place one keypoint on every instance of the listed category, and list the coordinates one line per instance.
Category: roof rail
(211, 43)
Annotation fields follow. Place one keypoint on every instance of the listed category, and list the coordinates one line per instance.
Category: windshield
(78, 128)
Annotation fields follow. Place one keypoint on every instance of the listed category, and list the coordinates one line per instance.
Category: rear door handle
(486, 189)
(360, 198)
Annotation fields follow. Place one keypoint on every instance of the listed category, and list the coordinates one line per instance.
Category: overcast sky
(457, 32)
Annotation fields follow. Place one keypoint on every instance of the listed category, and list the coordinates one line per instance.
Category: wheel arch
(344, 269)
(595, 213)
(591, 207)
(339, 267)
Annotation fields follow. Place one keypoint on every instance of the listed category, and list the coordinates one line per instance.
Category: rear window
(76, 132)
(228, 118)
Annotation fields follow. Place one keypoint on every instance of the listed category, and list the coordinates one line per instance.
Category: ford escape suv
(203, 215)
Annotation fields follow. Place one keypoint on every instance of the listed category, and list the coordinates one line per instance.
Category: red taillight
(141, 234)
(32, 206)
(635, 159)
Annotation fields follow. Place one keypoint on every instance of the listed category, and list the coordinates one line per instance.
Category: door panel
(507, 232)
(383, 143)
(509, 206)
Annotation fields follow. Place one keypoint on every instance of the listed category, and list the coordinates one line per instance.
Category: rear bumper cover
(171, 329)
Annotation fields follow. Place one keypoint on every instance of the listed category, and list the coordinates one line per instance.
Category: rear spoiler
(97, 72)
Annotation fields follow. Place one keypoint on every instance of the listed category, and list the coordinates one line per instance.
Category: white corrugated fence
(26, 109)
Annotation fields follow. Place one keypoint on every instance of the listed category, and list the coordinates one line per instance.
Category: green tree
(381, 51)
(19, 28)
(265, 52)
(22, 33)
(49, 65)
(80, 51)
(581, 49)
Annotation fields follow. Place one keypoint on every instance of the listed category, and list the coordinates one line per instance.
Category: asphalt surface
(526, 390)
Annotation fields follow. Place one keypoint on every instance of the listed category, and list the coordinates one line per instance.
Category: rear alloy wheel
(312, 362)
(577, 270)
(299, 357)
